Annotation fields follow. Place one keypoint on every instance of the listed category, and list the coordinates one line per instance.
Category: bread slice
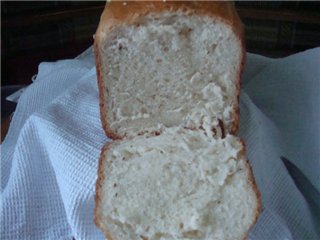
(166, 64)
(181, 184)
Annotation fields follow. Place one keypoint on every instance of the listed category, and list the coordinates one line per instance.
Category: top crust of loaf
(117, 14)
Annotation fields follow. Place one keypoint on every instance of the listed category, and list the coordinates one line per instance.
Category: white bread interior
(181, 184)
(169, 69)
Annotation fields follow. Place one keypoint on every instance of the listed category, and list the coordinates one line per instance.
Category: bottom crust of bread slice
(181, 184)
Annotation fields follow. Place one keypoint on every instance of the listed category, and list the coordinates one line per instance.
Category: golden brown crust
(102, 95)
(117, 14)
(107, 236)
(253, 185)
(99, 183)
(235, 125)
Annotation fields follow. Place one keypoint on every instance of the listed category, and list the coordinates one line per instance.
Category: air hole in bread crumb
(192, 234)
(214, 131)
(202, 128)
(211, 49)
(143, 110)
(222, 128)
(240, 169)
(185, 31)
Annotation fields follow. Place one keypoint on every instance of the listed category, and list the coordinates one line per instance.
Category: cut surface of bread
(162, 65)
(181, 184)
(169, 76)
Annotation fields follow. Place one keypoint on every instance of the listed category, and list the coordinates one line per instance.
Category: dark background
(33, 32)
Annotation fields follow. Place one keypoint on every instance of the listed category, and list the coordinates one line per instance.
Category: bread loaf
(169, 79)
(168, 64)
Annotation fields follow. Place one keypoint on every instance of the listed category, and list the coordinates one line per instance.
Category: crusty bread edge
(102, 96)
(223, 12)
(236, 117)
(253, 184)
(99, 183)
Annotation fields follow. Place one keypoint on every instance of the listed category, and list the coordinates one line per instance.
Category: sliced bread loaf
(168, 76)
(181, 184)
(168, 64)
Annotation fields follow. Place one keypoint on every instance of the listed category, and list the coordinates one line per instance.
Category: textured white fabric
(50, 156)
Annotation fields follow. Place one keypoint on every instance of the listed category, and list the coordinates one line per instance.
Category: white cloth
(50, 155)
